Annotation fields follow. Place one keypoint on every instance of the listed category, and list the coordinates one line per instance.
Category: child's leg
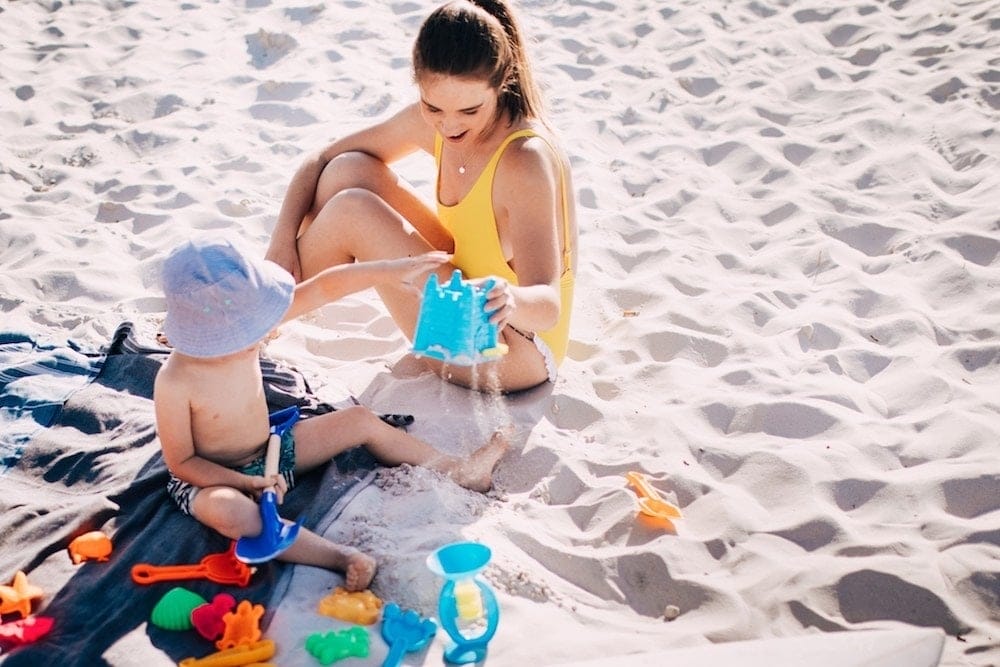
(312, 549)
(234, 515)
(318, 439)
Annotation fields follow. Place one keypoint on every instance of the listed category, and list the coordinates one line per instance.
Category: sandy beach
(787, 315)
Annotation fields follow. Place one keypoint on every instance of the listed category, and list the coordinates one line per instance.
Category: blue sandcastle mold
(453, 325)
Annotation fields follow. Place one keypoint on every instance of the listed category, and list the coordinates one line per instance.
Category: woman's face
(461, 110)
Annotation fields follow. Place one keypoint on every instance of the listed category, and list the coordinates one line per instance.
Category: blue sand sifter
(467, 607)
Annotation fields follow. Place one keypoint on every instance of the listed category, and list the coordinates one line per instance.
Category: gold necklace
(461, 167)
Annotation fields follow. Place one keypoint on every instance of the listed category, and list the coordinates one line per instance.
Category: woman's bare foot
(359, 570)
(476, 472)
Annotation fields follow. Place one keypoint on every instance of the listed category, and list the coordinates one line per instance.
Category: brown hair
(479, 39)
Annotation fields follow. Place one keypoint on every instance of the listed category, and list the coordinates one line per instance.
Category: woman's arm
(528, 205)
(388, 141)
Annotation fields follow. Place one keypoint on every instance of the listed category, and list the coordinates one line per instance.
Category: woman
(503, 190)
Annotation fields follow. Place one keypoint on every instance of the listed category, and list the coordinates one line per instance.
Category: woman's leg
(358, 225)
(358, 170)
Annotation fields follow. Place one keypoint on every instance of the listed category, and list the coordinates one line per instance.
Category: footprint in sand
(267, 48)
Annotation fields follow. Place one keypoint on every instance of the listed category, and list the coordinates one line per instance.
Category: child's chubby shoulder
(174, 374)
(171, 369)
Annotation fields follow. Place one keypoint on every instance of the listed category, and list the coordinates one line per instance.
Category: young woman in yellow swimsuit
(504, 204)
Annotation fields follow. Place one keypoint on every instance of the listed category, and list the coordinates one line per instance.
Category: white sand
(787, 310)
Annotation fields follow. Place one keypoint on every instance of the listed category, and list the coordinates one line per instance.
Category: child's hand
(258, 485)
(286, 258)
(411, 269)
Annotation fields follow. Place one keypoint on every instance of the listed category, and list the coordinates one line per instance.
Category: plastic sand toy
(404, 631)
(361, 607)
(453, 325)
(173, 611)
(94, 545)
(242, 626)
(276, 535)
(207, 618)
(25, 630)
(222, 568)
(328, 647)
(246, 654)
(467, 607)
(17, 597)
(650, 502)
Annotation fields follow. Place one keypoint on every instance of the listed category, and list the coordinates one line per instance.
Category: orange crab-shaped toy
(242, 626)
(18, 596)
(362, 607)
(94, 545)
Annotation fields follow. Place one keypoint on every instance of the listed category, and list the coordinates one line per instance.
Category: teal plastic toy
(453, 325)
(404, 631)
(467, 607)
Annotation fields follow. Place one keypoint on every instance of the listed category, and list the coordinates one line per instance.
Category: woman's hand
(287, 257)
(500, 300)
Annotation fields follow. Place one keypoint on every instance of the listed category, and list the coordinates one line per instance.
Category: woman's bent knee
(351, 170)
(348, 206)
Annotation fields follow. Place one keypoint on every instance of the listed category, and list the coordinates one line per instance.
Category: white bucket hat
(220, 298)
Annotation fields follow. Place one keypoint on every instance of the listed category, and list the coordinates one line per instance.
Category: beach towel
(81, 454)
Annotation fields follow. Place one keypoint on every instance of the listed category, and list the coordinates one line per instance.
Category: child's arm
(339, 281)
(173, 426)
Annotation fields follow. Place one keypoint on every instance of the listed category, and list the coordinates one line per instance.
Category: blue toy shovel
(276, 534)
(404, 631)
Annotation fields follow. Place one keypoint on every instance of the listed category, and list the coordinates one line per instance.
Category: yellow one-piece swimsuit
(473, 226)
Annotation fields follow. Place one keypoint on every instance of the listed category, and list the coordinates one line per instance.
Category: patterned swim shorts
(184, 493)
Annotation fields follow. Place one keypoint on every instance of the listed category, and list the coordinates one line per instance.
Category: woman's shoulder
(533, 154)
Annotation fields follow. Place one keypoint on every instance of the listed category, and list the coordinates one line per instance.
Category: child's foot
(476, 472)
(359, 570)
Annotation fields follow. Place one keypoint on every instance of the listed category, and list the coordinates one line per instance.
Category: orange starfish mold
(18, 596)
